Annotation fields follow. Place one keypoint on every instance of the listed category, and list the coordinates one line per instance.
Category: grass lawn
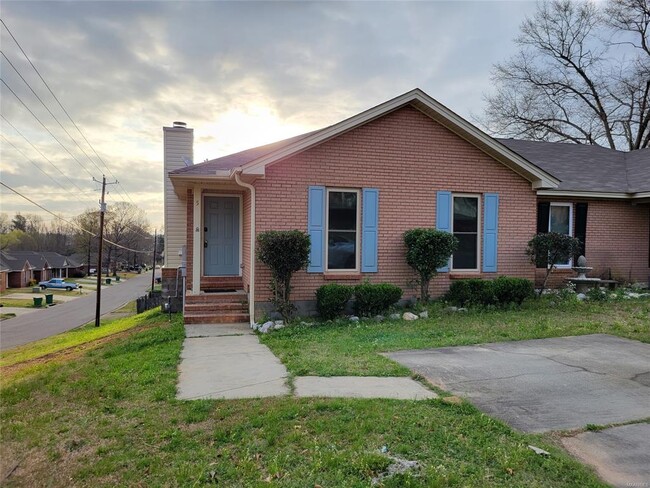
(110, 418)
(349, 348)
(18, 302)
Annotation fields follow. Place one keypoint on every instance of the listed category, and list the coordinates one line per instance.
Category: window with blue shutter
(490, 232)
(316, 228)
(370, 227)
(443, 216)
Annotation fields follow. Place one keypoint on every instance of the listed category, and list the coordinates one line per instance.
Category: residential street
(65, 316)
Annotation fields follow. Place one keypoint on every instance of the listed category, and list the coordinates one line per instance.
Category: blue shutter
(316, 228)
(490, 232)
(443, 216)
(370, 227)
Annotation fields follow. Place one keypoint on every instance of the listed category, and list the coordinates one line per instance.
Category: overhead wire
(63, 108)
(69, 222)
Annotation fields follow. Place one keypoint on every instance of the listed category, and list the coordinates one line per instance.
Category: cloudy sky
(240, 73)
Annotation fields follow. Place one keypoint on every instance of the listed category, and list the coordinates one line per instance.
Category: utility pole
(102, 211)
(155, 245)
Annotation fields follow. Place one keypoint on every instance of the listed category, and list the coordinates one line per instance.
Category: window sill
(342, 276)
(458, 275)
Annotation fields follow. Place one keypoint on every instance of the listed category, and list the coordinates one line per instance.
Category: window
(465, 227)
(560, 220)
(342, 230)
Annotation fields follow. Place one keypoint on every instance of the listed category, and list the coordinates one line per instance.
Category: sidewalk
(227, 361)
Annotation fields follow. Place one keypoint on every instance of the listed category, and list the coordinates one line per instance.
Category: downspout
(251, 291)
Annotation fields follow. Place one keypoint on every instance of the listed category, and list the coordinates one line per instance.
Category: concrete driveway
(557, 384)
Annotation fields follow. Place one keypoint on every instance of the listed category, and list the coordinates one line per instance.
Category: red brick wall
(409, 157)
(616, 243)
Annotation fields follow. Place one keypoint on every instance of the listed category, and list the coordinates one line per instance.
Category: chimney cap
(180, 124)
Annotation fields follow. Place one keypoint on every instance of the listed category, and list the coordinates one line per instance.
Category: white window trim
(548, 228)
(479, 223)
(358, 231)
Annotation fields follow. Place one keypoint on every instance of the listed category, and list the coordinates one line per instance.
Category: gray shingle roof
(237, 159)
(588, 168)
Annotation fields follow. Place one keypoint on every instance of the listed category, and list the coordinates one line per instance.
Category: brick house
(356, 186)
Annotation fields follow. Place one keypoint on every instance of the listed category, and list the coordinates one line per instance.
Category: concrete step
(215, 318)
(216, 307)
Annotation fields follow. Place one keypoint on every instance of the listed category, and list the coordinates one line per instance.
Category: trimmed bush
(426, 251)
(331, 300)
(500, 292)
(512, 290)
(284, 252)
(373, 299)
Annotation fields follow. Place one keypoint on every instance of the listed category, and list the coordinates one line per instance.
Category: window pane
(341, 250)
(465, 255)
(560, 219)
(465, 214)
(342, 210)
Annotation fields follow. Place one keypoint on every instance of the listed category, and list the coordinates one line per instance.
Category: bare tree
(581, 75)
(85, 243)
(127, 226)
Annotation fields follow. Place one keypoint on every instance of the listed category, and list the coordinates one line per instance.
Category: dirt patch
(7, 372)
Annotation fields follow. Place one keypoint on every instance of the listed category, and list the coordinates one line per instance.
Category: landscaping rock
(255, 326)
(581, 296)
(354, 318)
(462, 309)
(306, 324)
(395, 316)
(266, 327)
(278, 322)
(379, 318)
(451, 309)
(424, 315)
(409, 316)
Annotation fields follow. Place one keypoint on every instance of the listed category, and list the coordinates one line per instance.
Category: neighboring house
(4, 275)
(19, 271)
(356, 186)
(61, 266)
(41, 268)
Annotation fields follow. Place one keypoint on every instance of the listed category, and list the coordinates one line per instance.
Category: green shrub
(373, 299)
(331, 300)
(500, 292)
(284, 252)
(512, 290)
(426, 251)
(597, 294)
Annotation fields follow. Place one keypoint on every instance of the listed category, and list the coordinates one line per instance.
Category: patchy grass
(349, 348)
(74, 338)
(7, 316)
(19, 302)
(109, 418)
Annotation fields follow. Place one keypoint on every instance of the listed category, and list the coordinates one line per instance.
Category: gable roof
(588, 168)
(9, 262)
(254, 161)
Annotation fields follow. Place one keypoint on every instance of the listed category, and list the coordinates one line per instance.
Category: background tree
(126, 225)
(83, 242)
(582, 75)
(551, 248)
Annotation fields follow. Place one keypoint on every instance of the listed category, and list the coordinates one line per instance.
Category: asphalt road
(66, 316)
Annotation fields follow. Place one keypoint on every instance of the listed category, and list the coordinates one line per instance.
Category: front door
(221, 236)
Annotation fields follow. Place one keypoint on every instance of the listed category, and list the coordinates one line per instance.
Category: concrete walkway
(227, 361)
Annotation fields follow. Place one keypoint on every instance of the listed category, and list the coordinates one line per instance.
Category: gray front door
(221, 236)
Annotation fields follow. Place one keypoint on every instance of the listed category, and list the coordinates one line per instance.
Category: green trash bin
(38, 301)
(117, 279)
(108, 281)
(49, 299)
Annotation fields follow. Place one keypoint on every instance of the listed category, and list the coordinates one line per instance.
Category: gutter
(251, 291)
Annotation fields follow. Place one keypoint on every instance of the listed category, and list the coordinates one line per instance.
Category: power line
(45, 127)
(39, 152)
(62, 107)
(48, 109)
(68, 221)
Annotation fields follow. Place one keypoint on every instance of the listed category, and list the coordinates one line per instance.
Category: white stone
(395, 316)
(266, 327)
(581, 296)
(279, 326)
(279, 322)
(255, 326)
(462, 309)
(409, 316)
(379, 318)
(452, 309)
(424, 315)
(354, 318)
